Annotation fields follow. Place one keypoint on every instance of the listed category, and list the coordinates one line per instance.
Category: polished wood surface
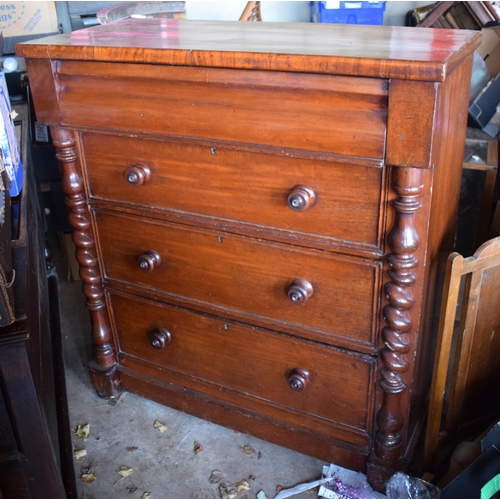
(250, 362)
(247, 278)
(252, 107)
(379, 52)
(220, 183)
(297, 183)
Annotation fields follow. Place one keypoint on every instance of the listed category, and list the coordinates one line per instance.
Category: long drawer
(317, 294)
(335, 114)
(258, 365)
(240, 186)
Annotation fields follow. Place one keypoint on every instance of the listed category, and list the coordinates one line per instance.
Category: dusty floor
(164, 464)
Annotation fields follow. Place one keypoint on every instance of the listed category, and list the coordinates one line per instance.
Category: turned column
(102, 369)
(403, 241)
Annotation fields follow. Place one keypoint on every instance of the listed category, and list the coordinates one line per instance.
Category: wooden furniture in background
(456, 15)
(482, 155)
(466, 369)
(251, 12)
(36, 452)
(259, 211)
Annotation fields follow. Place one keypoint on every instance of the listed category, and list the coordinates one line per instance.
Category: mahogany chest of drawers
(259, 210)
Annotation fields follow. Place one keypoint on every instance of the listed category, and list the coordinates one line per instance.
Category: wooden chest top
(374, 51)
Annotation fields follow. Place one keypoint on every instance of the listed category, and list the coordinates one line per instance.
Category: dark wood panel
(246, 276)
(249, 360)
(39, 466)
(240, 186)
(331, 114)
(8, 444)
(14, 483)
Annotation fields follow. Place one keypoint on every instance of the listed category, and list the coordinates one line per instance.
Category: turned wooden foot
(106, 381)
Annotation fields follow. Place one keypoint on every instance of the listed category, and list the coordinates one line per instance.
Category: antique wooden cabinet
(259, 210)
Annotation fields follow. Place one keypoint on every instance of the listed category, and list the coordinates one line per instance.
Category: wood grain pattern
(392, 52)
(465, 371)
(242, 276)
(238, 106)
(239, 126)
(410, 128)
(251, 361)
(217, 181)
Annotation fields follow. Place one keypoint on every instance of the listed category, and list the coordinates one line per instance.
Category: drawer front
(240, 186)
(335, 114)
(338, 385)
(246, 277)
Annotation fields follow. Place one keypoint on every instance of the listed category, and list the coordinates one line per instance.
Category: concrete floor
(164, 463)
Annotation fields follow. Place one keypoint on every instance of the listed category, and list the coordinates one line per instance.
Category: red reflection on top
(144, 33)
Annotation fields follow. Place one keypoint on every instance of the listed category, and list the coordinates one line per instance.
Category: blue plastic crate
(348, 12)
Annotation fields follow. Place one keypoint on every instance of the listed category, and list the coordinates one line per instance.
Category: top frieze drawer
(320, 113)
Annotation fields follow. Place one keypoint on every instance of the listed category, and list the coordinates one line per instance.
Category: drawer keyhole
(301, 198)
(148, 261)
(300, 291)
(159, 338)
(138, 174)
(298, 379)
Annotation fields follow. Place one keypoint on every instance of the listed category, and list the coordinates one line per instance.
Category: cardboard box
(489, 49)
(483, 109)
(20, 21)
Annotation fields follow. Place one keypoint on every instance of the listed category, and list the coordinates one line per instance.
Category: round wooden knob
(149, 260)
(138, 174)
(301, 198)
(298, 379)
(159, 338)
(300, 291)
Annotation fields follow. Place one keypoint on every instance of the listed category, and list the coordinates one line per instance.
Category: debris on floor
(87, 475)
(161, 427)
(124, 472)
(247, 450)
(403, 486)
(242, 485)
(336, 482)
(347, 483)
(83, 431)
(79, 454)
(146, 495)
(88, 478)
(301, 488)
(197, 448)
(261, 495)
(215, 477)
(227, 492)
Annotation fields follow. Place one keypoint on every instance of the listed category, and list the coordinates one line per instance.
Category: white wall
(284, 11)
(297, 11)
(395, 11)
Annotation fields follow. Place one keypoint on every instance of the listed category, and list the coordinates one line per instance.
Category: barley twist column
(403, 242)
